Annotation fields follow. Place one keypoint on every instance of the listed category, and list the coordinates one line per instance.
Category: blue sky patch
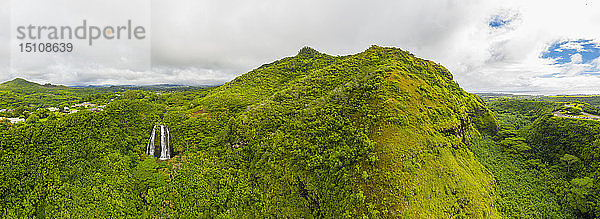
(497, 21)
(503, 18)
(562, 51)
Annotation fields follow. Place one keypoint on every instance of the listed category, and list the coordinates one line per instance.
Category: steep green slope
(377, 133)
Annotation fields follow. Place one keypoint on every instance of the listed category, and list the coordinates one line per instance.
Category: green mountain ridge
(402, 124)
(380, 133)
(19, 83)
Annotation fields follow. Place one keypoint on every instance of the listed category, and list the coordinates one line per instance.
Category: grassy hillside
(378, 133)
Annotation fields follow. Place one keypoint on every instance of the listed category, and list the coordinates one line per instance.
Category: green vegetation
(571, 149)
(380, 132)
(518, 113)
(377, 134)
(522, 192)
(558, 155)
(22, 93)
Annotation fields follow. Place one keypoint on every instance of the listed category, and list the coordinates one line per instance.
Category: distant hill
(156, 87)
(19, 83)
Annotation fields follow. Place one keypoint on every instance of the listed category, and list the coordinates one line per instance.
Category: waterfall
(165, 147)
(168, 143)
(164, 143)
(150, 147)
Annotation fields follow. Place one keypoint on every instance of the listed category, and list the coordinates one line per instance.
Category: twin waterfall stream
(165, 147)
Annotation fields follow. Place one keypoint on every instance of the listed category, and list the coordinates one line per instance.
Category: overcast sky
(546, 47)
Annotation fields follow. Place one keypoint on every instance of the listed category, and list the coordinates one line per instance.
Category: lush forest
(545, 166)
(380, 133)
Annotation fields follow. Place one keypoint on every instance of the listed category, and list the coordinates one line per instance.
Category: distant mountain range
(20, 83)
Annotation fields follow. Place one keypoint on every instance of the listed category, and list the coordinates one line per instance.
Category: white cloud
(577, 46)
(214, 41)
(596, 63)
(521, 67)
(576, 58)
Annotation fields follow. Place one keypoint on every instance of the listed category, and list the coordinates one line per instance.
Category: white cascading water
(164, 143)
(150, 147)
(165, 147)
(168, 143)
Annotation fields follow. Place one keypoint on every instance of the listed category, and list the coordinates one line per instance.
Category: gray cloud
(241, 35)
(211, 42)
(4, 38)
